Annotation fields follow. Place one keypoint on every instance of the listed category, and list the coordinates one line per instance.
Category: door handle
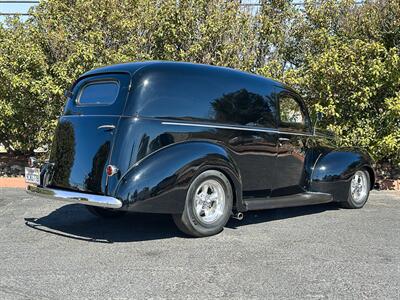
(106, 127)
(284, 139)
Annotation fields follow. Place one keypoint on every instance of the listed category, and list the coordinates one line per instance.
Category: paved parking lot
(57, 250)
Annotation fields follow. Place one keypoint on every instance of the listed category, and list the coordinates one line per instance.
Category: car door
(293, 142)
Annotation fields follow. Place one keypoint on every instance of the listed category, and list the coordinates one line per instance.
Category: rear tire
(360, 185)
(106, 213)
(208, 205)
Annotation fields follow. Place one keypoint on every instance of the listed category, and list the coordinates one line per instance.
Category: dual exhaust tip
(238, 216)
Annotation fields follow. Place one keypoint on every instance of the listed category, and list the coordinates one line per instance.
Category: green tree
(80, 35)
(345, 61)
(274, 27)
(26, 89)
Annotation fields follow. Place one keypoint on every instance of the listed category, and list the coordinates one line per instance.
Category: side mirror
(68, 94)
(320, 115)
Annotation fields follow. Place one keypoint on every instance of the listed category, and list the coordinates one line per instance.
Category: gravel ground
(55, 250)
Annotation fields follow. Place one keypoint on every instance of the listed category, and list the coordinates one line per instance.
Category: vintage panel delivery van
(199, 142)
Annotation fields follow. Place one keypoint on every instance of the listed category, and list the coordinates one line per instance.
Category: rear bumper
(74, 197)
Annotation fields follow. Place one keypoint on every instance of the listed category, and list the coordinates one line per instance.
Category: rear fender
(159, 182)
(333, 170)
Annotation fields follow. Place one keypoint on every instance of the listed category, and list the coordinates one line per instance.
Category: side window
(214, 96)
(244, 108)
(98, 93)
(291, 113)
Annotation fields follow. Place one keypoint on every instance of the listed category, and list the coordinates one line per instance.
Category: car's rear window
(98, 93)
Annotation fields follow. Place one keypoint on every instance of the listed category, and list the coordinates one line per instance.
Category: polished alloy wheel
(359, 186)
(208, 205)
(209, 201)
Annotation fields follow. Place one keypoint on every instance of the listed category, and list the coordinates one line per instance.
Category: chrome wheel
(209, 201)
(208, 205)
(359, 187)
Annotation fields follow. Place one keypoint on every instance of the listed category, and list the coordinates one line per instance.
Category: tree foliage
(26, 89)
(342, 56)
(345, 60)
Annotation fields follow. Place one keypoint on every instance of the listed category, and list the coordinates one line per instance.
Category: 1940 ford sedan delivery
(199, 142)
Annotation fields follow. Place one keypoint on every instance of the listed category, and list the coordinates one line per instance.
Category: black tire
(106, 213)
(191, 224)
(353, 203)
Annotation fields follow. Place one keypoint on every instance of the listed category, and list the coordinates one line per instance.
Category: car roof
(132, 67)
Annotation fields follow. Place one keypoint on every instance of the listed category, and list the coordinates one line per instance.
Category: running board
(301, 199)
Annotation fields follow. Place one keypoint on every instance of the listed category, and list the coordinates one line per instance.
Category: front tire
(208, 205)
(360, 185)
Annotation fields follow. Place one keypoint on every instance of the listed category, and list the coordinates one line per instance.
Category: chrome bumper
(74, 197)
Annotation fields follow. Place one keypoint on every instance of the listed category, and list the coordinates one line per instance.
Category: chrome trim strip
(234, 128)
(74, 197)
(218, 126)
(295, 133)
(110, 127)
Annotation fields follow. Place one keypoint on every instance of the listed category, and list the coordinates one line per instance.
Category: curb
(12, 182)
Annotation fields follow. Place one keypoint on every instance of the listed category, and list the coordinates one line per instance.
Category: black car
(199, 142)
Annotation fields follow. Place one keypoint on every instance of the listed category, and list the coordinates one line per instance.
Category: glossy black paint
(294, 147)
(334, 169)
(175, 120)
(82, 145)
(81, 151)
(157, 179)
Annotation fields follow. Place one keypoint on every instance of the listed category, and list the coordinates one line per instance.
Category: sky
(14, 8)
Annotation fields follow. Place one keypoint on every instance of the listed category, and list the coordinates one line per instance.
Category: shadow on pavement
(76, 222)
(268, 215)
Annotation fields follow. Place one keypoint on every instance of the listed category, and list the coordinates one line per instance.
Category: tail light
(111, 170)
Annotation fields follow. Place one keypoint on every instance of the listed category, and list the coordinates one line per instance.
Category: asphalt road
(56, 250)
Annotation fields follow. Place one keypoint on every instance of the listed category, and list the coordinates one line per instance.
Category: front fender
(333, 170)
(159, 182)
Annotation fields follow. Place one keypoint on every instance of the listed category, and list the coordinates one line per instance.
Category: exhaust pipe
(238, 216)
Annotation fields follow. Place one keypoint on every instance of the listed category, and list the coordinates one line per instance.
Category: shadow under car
(76, 222)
